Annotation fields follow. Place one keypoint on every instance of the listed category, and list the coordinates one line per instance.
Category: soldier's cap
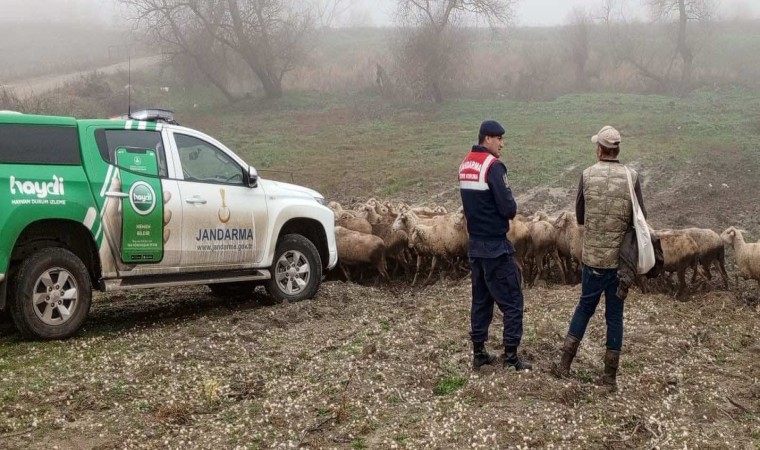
(491, 128)
(608, 137)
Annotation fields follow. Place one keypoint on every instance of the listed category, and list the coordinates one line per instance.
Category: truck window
(204, 162)
(39, 144)
(110, 140)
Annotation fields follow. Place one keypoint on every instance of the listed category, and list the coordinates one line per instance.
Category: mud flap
(3, 293)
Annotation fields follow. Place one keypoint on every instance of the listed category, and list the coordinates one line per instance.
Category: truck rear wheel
(297, 269)
(51, 294)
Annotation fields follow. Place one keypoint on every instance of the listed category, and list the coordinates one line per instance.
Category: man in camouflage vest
(605, 209)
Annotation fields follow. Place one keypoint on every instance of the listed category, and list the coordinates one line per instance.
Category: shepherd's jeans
(596, 282)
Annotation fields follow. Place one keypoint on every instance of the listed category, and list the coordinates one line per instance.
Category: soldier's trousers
(496, 280)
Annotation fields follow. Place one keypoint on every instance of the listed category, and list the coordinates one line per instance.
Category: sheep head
(399, 224)
(731, 234)
(562, 221)
(335, 206)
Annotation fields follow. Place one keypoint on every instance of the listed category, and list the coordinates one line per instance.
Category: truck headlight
(321, 201)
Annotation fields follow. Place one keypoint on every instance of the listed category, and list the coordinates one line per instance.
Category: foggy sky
(361, 12)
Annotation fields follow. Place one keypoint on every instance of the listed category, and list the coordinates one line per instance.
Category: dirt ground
(389, 366)
(365, 367)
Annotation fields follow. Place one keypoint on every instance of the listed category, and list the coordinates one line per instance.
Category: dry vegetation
(360, 367)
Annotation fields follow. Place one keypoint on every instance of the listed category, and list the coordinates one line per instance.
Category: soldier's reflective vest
(484, 221)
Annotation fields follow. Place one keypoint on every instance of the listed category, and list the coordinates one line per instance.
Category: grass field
(356, 147)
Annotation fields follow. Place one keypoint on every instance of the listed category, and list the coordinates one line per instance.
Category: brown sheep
(350, 221)
(711, 251)
(519, 236)
(357, 248)
(569, 242)
(544, 238)
(680, 252)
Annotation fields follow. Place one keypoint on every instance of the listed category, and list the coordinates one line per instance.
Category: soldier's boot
(611, 362)
(512, 360)
(480, 357)
(569, 350)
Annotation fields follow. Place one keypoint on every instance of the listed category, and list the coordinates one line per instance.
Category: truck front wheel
(50, 295)
(297, 269)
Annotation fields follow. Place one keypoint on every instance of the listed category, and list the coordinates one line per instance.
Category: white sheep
(747, 255)
(438, 236)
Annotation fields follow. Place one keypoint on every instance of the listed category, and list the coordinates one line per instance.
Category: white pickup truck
(142, 202)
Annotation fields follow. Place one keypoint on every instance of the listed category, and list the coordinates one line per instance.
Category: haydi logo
(142, 198)
(39, 188)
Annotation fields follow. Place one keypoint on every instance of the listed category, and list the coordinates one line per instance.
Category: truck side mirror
(253, 177)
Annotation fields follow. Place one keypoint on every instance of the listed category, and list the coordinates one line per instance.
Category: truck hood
(279, 188)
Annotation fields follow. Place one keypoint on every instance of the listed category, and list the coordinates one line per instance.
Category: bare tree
(184, 36)
(684, 11)
(577, 41)
(272, 37)
(645, 46)
(434, 43)
(328, 11)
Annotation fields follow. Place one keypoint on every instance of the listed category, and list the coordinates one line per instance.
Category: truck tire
(234, 289)
(296, 270)
(50, 295)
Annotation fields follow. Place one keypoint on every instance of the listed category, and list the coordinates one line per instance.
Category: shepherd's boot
(569, 350)
(611, 362)
(512, 360)
(480, 357)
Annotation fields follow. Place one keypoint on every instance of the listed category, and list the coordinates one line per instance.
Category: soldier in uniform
(488, 207)
(604, 207)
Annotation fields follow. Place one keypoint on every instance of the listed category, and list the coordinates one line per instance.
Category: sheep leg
(536, 268)
(417, 272)
(566, 266)
(681, 282)
(432, 268)
(721, 266)
(383, 267)
(561, 266)
(706, 271)
(345, 272)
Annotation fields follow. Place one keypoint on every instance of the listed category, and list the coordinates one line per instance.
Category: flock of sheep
(406, 240)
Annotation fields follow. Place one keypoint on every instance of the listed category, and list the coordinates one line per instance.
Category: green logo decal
(142, 197)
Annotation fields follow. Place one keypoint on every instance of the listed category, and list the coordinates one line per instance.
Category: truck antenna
(129, 83)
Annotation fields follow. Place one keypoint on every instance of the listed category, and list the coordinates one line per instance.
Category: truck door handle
(117, 194)
(196, 200)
